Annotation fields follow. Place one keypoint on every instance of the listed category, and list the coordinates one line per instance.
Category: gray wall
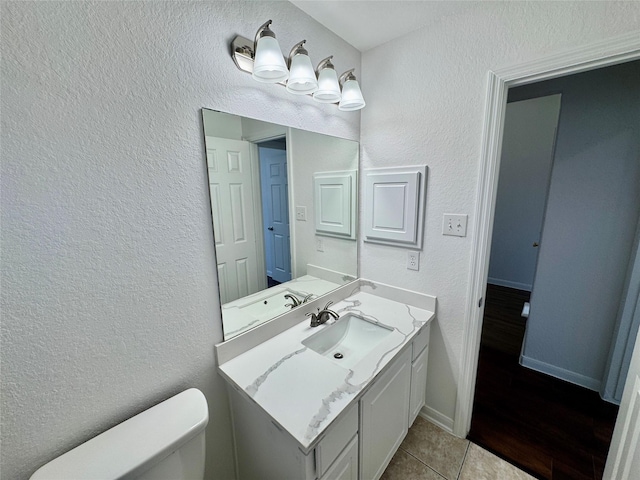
(109, 300)
(525, 169)
(592, 213)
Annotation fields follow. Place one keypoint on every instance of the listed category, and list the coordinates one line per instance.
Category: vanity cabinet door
(384, 417)
(418, 384)
(346, 465)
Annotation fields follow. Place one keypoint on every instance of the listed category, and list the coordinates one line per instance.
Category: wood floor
(550, 428)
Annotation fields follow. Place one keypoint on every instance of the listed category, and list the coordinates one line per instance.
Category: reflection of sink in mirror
(348, 340)
(270, 305)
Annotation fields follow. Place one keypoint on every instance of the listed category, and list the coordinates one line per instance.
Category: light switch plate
(301, 214)
(454, 224)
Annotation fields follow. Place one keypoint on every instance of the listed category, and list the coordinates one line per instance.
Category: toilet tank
(164, 442)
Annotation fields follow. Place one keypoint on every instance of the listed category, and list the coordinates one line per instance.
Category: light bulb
(328, 87)
(268, 63)
(351, 97)
(302, 78)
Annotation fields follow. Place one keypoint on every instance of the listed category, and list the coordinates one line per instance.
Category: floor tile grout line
(464, 459)
(425, 464)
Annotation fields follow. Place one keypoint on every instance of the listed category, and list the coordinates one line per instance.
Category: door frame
(605, 53)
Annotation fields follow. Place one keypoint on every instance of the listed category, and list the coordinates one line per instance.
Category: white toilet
(165, 442)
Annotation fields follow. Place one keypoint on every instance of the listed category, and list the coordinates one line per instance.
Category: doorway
(272, 157)
(570, 426)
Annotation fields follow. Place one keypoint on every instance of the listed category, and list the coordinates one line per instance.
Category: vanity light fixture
(263, 59)
(328, 86)
(302, 77)
(268, 62)
(352, 98)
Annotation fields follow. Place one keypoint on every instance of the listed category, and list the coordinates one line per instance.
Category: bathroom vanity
(334, 401)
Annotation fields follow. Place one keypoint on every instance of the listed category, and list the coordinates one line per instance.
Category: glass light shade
(328, 87)
(302, 77)
(269, 65)
(352, 98)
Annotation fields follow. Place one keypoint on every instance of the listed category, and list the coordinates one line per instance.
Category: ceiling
(365, 24)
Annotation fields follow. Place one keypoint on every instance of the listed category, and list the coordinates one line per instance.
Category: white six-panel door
(234, 216)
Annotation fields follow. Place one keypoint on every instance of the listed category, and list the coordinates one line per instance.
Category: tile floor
(430, 453)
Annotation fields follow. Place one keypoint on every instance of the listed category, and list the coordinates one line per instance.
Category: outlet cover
(454, 224)
(301, 214)
(413, 260)
(319, 245)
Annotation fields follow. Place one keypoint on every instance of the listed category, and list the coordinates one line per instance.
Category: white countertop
(303, 391)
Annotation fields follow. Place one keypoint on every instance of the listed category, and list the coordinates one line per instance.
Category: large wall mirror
(284, 207)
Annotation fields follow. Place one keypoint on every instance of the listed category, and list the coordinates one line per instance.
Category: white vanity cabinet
(359, 444)
(384, 418)
(265, 451)
(420, 355)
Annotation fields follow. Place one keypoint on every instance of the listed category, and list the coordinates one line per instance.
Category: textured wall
(109, 300)
(425, 105)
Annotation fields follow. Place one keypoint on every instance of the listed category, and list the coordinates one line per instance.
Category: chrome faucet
(295, 301)
(322, 316)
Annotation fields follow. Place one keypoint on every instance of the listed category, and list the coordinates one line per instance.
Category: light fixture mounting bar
(242, 53)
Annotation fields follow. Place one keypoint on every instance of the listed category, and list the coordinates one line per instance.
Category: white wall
(108, 268)
(525, 169)
(255, 129)
(590, 224)
(315, 153)
(425, 105)
(216, 125)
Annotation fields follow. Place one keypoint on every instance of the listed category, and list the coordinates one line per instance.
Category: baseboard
(507, 283)
(437, 418)
(561, 373)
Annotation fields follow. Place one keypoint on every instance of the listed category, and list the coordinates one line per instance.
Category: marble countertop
(302, 391)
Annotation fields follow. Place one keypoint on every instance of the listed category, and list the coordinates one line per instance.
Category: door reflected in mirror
(284, 206)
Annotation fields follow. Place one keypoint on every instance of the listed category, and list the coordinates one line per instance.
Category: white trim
(507, 283)
(437, 418)
(258, 220)
(601, 54)
(561, 373)
(293, 251)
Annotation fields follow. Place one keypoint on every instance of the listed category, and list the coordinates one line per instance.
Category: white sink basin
(269, 305)
(348, 340)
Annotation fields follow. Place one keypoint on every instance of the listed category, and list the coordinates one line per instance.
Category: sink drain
(338, 355)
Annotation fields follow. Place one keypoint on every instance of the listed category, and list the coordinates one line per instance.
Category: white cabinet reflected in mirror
(270, 254)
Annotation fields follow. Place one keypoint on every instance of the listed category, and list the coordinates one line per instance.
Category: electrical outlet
(301, 214)
(319, 245)
(413, 260)
(454, 224)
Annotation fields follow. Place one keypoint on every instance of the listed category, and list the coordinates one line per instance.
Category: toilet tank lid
(134, 445)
